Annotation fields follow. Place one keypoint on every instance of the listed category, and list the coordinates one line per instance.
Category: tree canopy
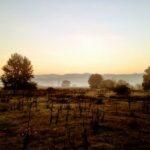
(146, 79)
(18, 73)
(95, 80)
(108, 84)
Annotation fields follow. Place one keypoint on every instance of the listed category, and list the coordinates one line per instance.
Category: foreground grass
(74, 127)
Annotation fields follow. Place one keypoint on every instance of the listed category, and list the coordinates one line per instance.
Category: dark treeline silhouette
(18, 74)
(121, 87)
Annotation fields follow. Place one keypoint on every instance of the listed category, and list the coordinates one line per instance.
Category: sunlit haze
(77, 36)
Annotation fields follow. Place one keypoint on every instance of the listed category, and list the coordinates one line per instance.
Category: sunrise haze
(77, 36)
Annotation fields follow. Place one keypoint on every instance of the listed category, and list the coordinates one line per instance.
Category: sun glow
(66, 38)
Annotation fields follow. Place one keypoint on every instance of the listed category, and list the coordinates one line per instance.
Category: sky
(77, 36)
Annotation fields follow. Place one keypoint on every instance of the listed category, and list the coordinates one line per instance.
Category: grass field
(74, 121)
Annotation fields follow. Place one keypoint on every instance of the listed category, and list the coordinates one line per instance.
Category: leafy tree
(108, 84)
(95, 80)
(122, 82)
(146, 79)
(18, 73)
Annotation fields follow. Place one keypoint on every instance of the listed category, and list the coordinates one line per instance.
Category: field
(74, 119)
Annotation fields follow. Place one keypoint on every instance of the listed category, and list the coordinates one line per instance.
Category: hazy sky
(76, 36)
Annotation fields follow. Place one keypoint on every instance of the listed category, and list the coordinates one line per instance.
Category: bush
(122, 90)
(50, 89)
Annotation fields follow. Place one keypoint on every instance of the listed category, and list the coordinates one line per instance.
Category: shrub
(50, 89)
(122, 90)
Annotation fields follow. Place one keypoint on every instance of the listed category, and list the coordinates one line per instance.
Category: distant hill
(81, 80)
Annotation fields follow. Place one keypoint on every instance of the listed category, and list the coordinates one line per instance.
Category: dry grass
(75, 124)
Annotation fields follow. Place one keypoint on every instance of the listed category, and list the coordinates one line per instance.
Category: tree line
(18, 75)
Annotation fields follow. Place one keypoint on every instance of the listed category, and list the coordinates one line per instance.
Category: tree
(146, 79)
(122, 82)
(108, 84)
(18, 73)
(95, 80)
(66, 84)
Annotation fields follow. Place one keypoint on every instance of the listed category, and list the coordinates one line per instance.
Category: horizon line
(90, 73)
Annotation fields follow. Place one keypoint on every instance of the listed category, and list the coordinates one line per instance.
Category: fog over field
(81, 80)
